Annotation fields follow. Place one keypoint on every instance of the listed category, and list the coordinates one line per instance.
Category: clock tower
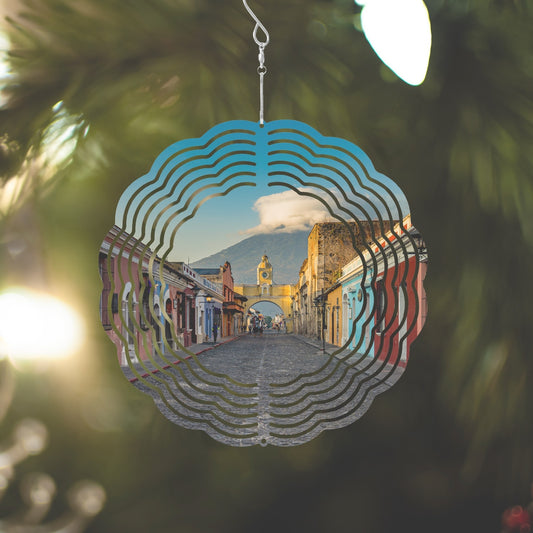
(264, 272)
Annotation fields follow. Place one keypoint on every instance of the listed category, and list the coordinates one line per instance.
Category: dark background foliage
(449, 447)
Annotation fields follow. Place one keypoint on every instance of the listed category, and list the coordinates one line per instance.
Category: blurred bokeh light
(56, 332)
(400, 33)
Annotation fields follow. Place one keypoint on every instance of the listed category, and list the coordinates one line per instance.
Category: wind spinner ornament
(353, 328)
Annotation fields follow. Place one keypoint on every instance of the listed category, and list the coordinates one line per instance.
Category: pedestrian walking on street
(215, 332)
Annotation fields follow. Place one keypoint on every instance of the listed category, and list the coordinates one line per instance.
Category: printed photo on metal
(263, 283)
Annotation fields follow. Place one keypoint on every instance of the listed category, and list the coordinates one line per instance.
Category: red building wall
(405, 310)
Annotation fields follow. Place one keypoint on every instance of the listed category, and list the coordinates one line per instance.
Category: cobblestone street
(267, 357)
(267, 389)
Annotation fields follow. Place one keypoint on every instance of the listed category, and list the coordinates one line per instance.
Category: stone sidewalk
(316, 343)
(146, 367)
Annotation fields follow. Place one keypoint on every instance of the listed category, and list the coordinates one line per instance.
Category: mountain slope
(286, 252)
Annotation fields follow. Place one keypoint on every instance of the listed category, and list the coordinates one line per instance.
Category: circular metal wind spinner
(152, 308)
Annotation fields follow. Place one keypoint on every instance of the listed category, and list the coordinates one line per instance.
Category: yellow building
(267, 291)
(333, 318)
(264, 272)
(330, 246)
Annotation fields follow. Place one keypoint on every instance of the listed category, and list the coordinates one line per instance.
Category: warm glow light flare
(399, 31)
(36, 326)
(4, 65)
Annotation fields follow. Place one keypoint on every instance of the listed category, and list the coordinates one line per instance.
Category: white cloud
(287, 212)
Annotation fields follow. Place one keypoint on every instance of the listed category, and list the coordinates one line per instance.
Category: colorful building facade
(149, 307)
(232, 317)
(383, 299)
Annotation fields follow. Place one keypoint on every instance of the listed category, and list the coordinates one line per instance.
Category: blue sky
(222, 181)
(268, 308)
(223, 221)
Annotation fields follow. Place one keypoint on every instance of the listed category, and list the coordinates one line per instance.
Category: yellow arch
(281, 295)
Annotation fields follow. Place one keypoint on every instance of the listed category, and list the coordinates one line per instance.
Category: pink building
(147, 312)
(233, 305)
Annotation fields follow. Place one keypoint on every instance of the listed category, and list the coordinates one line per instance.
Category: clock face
(264, 274)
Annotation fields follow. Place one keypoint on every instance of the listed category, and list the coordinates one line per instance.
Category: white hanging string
(261, 69)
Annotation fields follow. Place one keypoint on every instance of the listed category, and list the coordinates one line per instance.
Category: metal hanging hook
(258, 24)
(261, 69)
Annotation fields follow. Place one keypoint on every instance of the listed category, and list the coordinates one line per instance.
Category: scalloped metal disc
(382, 301)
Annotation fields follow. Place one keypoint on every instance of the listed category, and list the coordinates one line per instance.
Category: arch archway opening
(272, 316)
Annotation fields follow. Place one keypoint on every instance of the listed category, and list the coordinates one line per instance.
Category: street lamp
(420, 245)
